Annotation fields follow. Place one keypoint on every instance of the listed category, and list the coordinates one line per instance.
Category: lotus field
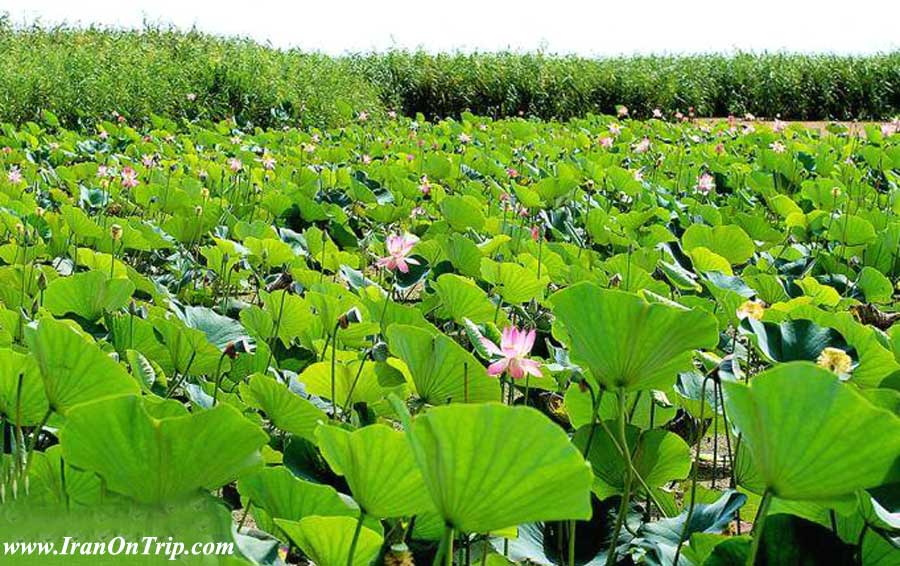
(604, 341)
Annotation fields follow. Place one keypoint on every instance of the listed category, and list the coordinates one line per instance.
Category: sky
(590, 28)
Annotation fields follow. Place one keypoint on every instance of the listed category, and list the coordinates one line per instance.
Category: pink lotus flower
(147, 160)
(363, 116)
(129, 178)
(14, 176)
(103, 134)
(777, 147)
(642, 146)
(366, 159)
(512, 172)
(398, 248)
(657, 113)
(615, 129)
(235, 164)
(705, 183)
(622, 111)
(268, 162)
(535, 233)
(515, 345)
(424, 185)
(464, 138)
(606, 142)
(102, 171)
(779, 126)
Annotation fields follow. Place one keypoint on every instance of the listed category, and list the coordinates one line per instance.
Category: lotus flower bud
(115, 232)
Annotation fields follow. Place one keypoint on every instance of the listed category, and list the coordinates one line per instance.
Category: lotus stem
(346, 405)
(275, 330)
(445, 550)
(218, 379)
(758, 526)
(595, 404)
(572, 543)
(33, 443)
(696, 466)
(244, 515)
(359, 524)
(333, 362)
(626, 491)
(636, 474)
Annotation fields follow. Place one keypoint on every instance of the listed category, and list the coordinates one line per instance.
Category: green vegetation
(84, 75)
(459, 342)
(807, 87)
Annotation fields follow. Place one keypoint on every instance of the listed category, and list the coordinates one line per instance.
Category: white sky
(598, 27)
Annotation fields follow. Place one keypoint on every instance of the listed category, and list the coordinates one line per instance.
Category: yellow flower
(751, 309)
(835, 360)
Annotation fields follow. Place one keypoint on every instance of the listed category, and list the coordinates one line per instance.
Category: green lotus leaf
(219, 330)
(88, 295)
(74, 369)
(327, 540)
(27, 405)
(730, 242)
(463, 254)
(625, 342)
(792, 339)
(48, 485)
(353, 383)
(839, 442)
(379, 467)
(276, 493)
(463, 212)
(461, 298)
(791, 540)
(484, 477)
(516, 284)
(441, 370)
(851, 230)
(287, 410)
(874, 285)
(157, 460)
(640, 407)
(659, 456)
(708, 261)
(189, 349)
